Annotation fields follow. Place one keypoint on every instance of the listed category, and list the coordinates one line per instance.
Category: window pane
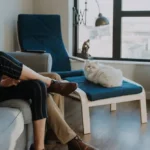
(135, 5)
(100, 40)
(136, 37)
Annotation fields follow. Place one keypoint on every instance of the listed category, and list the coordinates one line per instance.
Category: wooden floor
(120, 130)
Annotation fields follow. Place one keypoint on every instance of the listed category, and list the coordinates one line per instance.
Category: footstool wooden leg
(113, 107)
(86, 119)
(85, 111)
(143, 110)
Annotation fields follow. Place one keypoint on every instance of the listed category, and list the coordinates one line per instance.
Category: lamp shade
(101, 20)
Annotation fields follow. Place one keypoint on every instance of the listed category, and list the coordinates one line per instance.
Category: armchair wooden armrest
(77, 58)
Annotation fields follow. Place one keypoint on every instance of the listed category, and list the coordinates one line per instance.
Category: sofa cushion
(96, 91)
(22, 105)
(11, 127)
(36, 61)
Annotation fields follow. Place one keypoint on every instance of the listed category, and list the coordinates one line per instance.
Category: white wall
(9, 9)
(64, 9)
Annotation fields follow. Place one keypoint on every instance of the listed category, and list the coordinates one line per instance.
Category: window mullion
(117, 30)
(135, 13)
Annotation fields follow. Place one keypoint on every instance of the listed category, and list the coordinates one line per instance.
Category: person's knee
(56, 76)
(2, 54)
(39, 86)
(52, 75)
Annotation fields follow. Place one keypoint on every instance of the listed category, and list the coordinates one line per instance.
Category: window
(135, 5)
(100, 46)
(135, 38)
(129, 30)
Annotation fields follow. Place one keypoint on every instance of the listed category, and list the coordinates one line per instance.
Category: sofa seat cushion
(95, 91)
(11, 127)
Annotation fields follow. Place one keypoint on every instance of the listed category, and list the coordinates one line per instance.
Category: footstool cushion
(96, 92)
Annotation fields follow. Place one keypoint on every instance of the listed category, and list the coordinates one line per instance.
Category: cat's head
(91, 66)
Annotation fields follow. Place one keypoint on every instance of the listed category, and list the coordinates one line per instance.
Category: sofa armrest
(36, 61)
(22, 105)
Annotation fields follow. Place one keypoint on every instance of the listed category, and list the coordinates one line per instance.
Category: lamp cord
(98, 5)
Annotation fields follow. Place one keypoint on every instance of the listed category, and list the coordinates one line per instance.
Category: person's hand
(7, 82)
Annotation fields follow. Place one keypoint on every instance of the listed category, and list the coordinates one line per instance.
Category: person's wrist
(48, 81)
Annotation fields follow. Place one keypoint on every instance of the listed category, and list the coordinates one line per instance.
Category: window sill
(124, 62)
(119, 62)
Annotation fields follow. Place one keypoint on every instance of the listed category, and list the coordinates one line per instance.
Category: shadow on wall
(9, 13)
(9, 36)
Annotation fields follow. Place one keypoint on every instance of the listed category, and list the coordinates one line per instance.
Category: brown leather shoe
(63, 88)
(78, 144)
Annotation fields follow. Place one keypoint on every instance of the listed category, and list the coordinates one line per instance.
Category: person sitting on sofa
(20, 82)
(57, 124)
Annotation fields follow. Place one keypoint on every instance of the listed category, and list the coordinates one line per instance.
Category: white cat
(104, 75)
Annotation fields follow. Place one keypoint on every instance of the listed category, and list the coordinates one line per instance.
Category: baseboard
(148, 95)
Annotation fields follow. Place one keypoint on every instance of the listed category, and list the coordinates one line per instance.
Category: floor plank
(120, 130)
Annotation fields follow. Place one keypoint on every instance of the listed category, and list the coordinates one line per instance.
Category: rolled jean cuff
(39, 118)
